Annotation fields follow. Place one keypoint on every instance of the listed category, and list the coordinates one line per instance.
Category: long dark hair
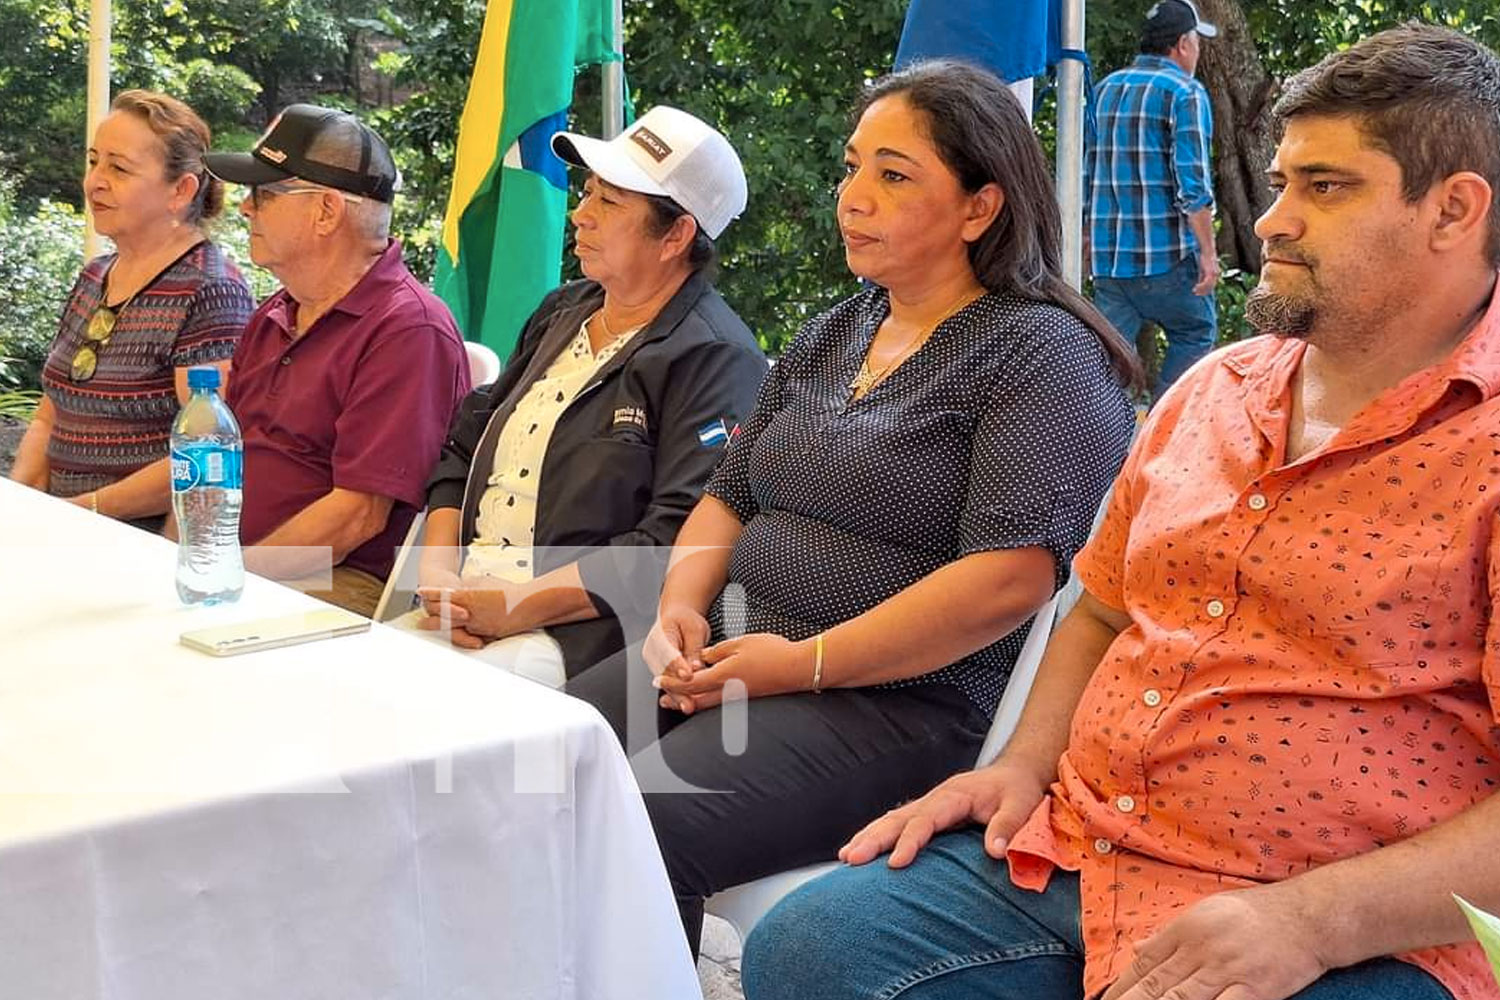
(982, 135)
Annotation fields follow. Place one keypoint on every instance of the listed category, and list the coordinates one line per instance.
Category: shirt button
(1215, 609)
(286, 361)
(1257, 502)
(1125, 804)
(1152, 698)
(1102, 846)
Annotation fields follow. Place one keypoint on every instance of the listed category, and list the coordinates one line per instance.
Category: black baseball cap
(322, 145)
(1175, 18)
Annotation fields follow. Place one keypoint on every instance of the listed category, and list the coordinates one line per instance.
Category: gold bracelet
(818, 664)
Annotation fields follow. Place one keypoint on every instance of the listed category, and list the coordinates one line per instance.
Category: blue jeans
(953, 927)
(1190, 321)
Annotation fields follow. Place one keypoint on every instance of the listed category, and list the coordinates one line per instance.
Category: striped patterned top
(119, 420)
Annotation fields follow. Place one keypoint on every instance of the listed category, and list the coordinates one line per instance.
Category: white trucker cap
(667, 152)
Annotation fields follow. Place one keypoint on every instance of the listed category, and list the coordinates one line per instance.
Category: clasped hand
(693, 676)
(476, 611)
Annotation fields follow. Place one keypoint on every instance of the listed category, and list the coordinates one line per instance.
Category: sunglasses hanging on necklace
(95, 337)
(104, 319)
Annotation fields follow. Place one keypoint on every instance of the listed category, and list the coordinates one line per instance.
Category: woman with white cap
(562, 485)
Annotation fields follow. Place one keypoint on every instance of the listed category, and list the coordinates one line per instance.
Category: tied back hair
(184, 137)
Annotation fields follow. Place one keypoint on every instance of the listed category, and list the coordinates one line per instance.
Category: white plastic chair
(484, 364)
(743, 905)
(401, 585)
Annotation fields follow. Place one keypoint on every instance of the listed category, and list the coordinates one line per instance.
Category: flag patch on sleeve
(713, 434)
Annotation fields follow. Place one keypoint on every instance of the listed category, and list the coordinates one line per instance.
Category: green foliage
(778, 77)
(41, 98)
(40, 255)
(286, 47)
(779, 80)
(19, 404)
(1293, 34)
(438, 39)
(219, 93)
(235, 61)
(1234, 288)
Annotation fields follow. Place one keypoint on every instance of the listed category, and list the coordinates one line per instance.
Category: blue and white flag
(713, 433)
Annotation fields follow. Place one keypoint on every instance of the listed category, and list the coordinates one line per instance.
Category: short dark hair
(1154, 43)
(702, 254)
(982, 135)
(1157, 44)
(1427, 96)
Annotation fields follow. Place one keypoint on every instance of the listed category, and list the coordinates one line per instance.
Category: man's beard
(1279, 314)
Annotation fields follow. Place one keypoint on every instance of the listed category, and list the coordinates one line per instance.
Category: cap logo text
(274, 155)
(651, 143)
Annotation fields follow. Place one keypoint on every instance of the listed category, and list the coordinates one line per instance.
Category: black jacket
(628, 457)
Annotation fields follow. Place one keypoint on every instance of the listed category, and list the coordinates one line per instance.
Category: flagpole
(1070, 99)
(97, 105)
(614, 75)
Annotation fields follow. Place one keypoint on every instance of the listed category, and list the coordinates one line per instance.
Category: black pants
(781, 782)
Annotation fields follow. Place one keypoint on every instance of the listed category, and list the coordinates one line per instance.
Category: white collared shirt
(505, 529)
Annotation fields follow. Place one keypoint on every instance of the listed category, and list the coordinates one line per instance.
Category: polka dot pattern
(1002, 431)
(1311, 670)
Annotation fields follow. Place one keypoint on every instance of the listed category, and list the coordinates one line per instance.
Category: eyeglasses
(101, 327)
(259, 191)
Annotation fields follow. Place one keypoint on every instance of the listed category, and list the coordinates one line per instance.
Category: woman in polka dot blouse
(918, 471)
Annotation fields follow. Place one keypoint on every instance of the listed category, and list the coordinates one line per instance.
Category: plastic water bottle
(207, 466)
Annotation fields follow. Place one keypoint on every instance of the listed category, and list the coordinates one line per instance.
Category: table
(365, 817)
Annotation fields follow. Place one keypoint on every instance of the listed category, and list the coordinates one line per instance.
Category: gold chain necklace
(609, 335)
(866, 379)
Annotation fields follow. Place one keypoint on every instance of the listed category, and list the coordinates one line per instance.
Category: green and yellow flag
(501, 250)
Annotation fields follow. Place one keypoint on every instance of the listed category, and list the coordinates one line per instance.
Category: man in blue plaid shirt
(1151, 205)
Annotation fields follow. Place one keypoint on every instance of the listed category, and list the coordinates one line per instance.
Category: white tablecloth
(363, 817)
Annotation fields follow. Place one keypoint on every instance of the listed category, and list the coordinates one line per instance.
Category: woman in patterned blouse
(920, 468)
(138, 318)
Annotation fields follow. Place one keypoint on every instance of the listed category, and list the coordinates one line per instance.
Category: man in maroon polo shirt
(345, 380)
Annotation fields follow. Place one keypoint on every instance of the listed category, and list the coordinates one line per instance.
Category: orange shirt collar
(1267, 370)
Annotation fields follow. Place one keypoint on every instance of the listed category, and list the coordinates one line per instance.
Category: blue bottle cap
(205, 377)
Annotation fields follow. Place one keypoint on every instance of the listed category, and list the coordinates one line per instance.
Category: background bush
(40, 254)
(778, 76)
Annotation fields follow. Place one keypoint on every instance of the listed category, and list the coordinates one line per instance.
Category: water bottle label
(206, 465)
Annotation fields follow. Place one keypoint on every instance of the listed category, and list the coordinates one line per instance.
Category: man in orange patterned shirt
(1269, 726)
